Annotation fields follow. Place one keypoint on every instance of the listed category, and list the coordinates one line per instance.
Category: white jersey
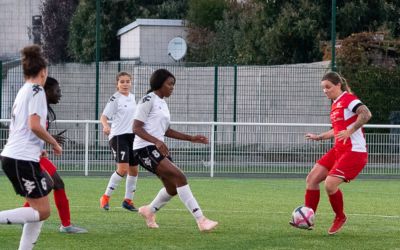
(154, 113)
(120, 109)
(22, 143)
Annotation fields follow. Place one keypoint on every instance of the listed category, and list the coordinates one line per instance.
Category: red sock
(312, 199)
(336, 201)
(62, 204)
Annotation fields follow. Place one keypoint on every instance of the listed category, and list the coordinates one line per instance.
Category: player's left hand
(199, 139)
(343, 135)
(44, 154)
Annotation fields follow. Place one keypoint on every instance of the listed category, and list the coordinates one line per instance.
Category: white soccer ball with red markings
(303, 217)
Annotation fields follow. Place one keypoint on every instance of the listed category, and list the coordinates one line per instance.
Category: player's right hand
(310, 136)
(106, 130)
(162, 148)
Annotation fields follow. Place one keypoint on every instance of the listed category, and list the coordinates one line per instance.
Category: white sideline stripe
(244, 212)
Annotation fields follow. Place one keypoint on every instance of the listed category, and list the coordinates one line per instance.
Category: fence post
(333, 36)
(1, 87)
(234, 102)
(214, 127)
(212, 144)
(86, 148)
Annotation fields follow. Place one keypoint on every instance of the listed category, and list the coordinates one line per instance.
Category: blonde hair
(336, 78)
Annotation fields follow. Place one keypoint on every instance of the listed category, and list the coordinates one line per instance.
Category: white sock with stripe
(161, 199)
(115, 179)
(186, 196)
(19, 215)
(30, 234)
(130, 187)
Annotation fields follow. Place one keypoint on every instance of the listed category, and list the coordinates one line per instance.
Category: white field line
(245, 212)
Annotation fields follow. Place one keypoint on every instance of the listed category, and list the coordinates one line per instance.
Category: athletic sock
(311, 199)
(30, 234)
(19, 215)
(130, 186)
(161, 199)
(62, 204)
(186, 196)
(113, 183)
(336, 201)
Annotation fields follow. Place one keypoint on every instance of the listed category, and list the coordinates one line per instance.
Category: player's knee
(330, 187)
(44, 213)
(311, 180)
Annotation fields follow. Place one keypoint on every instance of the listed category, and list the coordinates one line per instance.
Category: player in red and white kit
(349, 154)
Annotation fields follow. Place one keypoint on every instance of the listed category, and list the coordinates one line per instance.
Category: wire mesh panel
(253, 148)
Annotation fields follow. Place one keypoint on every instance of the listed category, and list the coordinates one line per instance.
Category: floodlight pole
(333, 36)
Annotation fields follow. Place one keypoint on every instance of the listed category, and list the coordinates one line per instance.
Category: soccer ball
(303, 217)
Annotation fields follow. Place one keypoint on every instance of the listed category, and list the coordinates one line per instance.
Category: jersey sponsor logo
(147, 161)
(29, 185)
(155, 153)
(36, 89)
(146, 98)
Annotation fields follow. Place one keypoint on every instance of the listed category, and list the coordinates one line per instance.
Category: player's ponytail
(33, 60)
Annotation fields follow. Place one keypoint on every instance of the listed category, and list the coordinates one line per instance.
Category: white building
(20, 22)
(146, 40)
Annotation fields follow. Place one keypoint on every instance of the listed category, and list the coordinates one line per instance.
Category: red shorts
(47, 165)
(346, 165)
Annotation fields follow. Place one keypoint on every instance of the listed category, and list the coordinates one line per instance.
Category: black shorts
(149, 157)
(28, 179)
(122, 149)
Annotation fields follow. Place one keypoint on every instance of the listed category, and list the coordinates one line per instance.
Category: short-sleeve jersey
(120, 109)
(343, 116)
(154, 113)
(22, 143)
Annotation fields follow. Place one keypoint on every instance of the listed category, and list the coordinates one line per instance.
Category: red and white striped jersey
(343, 116)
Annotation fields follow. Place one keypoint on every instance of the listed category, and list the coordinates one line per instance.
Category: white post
(212, 144)
(86, 149)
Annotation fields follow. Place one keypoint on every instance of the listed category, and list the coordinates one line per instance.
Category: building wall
(16, 25)
(130, 44)
(154, 43)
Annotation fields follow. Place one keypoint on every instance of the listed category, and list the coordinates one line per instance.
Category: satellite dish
(177, 48)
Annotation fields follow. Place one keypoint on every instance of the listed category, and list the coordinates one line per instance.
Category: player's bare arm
(323, 136)
(34, 123)
(184, 137)
(104, 122)
(364, 115)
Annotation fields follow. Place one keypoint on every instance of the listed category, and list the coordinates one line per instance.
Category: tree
(295, 36)
(202, 17)
(114, 15)
(56, 17)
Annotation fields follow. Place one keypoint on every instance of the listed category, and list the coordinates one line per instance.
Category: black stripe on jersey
(356, 107)
(36, 88)
(112, 98)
